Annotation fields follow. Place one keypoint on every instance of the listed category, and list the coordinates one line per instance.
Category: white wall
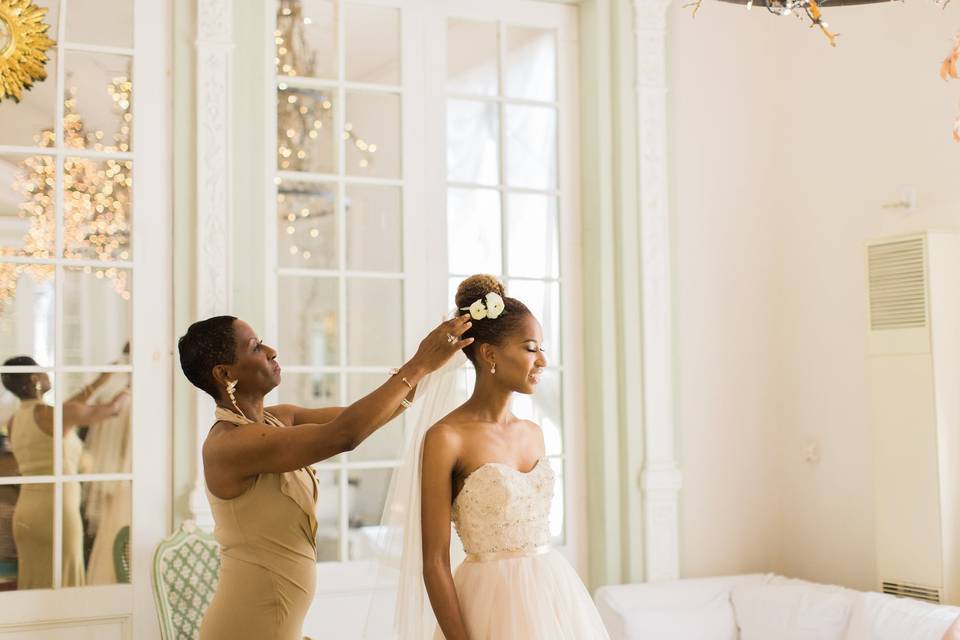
(783, 150)
(725, 275)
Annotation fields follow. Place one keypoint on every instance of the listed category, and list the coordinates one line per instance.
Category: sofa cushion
(881, 617)
(683, 610)
(792, 610)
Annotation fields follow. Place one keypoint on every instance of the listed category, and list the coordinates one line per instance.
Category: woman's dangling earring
(493, 369)
(231, 391)
(39, 389)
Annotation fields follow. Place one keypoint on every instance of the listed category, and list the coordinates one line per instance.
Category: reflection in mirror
(27, 190)
(307, 225)
(305, 130)
(97, 316)
(306, 38)
(328, 516)
(27, 420)
(103, 419)
(30, 122)
(98, 102)
(106, 510)
(97, 220)
(372, 134)
(367, 495)
(27, 312)
(26, 538)
(309, 328)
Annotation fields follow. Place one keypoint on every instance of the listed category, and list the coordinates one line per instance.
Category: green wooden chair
(186, 567)
(121, 555)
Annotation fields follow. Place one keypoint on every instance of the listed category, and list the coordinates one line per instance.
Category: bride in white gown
(485, 470)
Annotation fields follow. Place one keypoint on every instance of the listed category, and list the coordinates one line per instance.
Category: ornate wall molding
(214, 46)
(661, 479)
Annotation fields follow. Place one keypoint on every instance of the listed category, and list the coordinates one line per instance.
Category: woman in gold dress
(256, 462)
(31, 441)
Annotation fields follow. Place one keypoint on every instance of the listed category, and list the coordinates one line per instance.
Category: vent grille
(898, 285)
(917, 592)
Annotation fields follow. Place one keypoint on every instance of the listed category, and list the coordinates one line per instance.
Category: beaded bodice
(502, 509)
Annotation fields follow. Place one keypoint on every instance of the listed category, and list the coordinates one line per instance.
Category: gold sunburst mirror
(23, 46)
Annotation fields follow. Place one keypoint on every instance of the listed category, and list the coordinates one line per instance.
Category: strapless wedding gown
(512, 584)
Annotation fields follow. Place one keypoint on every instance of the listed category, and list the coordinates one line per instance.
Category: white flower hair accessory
(491, 307)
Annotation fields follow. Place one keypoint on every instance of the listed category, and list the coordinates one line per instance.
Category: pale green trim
(610, 209)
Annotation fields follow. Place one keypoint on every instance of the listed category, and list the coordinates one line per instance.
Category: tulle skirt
(537, 597)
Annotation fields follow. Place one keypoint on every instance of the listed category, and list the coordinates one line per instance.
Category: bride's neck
(490, 403)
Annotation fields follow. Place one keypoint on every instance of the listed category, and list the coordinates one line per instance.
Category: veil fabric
(399, 572)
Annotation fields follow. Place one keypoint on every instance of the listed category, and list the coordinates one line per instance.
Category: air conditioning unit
(914, 367)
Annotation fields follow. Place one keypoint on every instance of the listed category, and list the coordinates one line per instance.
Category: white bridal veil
(400, 592)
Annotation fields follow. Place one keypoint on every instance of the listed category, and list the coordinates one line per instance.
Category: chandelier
(96, 204)
(303, 115)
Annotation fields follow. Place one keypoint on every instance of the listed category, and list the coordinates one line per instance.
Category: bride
(484, 469)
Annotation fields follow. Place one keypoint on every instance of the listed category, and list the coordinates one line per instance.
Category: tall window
(502, 190)
(68, 163)
(339, 238)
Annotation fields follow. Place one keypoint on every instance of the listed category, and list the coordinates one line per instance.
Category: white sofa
(764, 607)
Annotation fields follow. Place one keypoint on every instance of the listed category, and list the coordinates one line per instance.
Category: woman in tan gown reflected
(31, 441)
(256, 462)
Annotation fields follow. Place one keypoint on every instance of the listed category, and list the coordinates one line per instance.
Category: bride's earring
(39, 389)
(231, 392)
(493, 369)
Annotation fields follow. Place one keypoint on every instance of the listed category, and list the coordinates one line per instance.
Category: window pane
(373, 44)
(375, 318)
(305, 130)
(98, 100)
(27, 211)
(368, 493)
(328, 516)
(26, 537)
(106, 509)
(97, 313)
(543, 300)
(372, 135)
(531, 147)
(307, 225)
(106, 441)
(473, 231)
(97, 221)
(472, 142)
(472, 57)
(306, 38)
(309, 324)
(386, 443)
(101, 22)
(531, 64)
(533, 245)
(545, 407)
(27, 319)
(374, 228)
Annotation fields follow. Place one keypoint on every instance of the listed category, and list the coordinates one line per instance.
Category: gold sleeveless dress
(268, 555)
(33, 515)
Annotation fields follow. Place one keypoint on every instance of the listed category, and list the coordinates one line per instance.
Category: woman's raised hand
(440, 344)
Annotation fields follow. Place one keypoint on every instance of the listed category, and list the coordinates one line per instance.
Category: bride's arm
(440, 449)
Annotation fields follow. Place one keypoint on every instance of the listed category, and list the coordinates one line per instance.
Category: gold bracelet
(406, 403)
(394, 372)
